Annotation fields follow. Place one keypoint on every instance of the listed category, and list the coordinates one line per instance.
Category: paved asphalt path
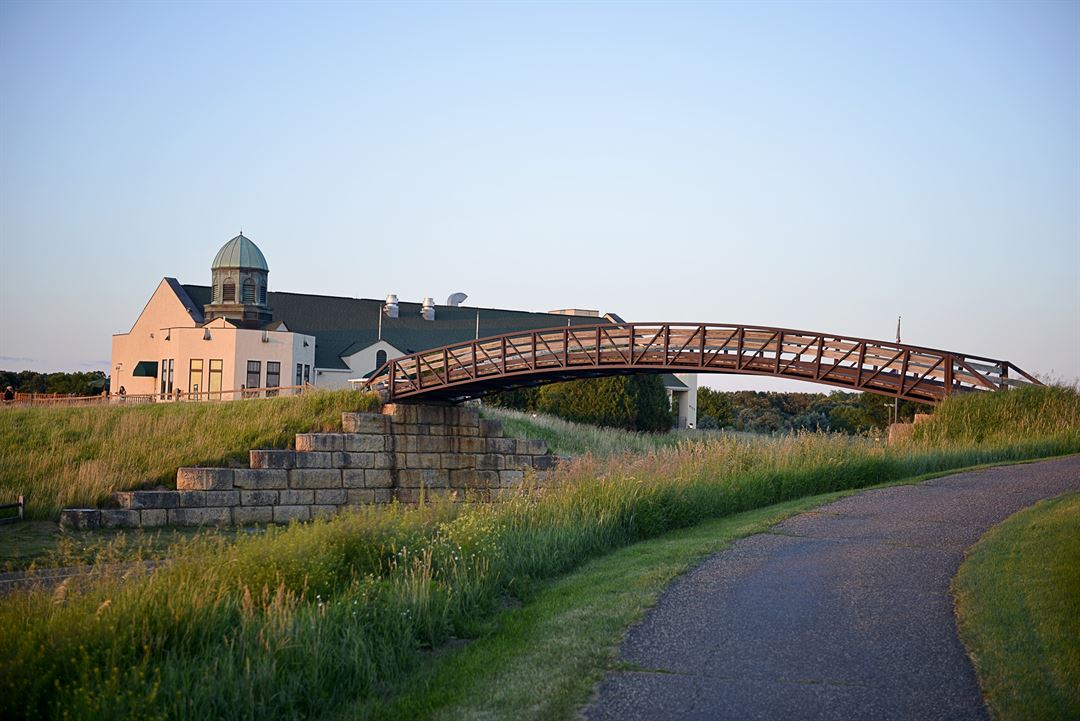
(840, 613)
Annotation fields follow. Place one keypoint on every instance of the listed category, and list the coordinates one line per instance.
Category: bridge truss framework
(477, 367)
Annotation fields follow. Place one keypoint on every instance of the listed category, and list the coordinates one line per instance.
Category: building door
(195, 379)
(214, 382)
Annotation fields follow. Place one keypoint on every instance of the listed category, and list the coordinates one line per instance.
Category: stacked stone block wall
(402, 454)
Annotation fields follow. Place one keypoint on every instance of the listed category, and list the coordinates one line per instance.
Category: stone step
(271, 459)
(365, 423)
(353, 442)
(80, 519)
(491, 428)
(137, 500)
(205, 479)
(406, 413)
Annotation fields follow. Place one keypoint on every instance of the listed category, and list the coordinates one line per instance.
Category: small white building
(223, 340)
(682, 389)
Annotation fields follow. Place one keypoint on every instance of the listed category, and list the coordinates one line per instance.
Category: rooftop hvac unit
(427, 310)
(391, 307)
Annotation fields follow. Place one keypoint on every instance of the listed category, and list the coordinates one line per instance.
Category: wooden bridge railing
(475, 367)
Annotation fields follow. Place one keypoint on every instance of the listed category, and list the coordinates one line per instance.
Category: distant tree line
(91, 383)
(636, 403)
(761, 412)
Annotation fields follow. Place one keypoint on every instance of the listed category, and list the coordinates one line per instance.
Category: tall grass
(301, 620)
(567, 438)
(60, 457)
(994, 418)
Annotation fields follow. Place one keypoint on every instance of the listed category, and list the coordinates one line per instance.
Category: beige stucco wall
(146, 340)
(163, 310)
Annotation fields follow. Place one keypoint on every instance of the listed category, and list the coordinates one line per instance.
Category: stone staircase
(400, 454)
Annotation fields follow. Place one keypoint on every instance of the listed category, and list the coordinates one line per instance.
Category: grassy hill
(77, 456)
(308, 620)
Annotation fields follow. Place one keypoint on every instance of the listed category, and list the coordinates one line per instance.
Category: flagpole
(896, 403)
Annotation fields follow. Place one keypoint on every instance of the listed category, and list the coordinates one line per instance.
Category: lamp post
(119, 367)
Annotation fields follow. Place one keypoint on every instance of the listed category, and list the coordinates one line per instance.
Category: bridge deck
(477, 367)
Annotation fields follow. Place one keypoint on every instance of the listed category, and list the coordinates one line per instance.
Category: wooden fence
(24, 400)
(19, 505)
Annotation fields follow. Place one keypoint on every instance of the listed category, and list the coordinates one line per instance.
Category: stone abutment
(402, 454)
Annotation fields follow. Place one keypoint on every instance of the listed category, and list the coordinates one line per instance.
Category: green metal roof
(145, 369)
(672, 383)
(240, 252)
(343, 326)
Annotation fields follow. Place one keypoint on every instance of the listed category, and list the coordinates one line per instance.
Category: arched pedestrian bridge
(477, 367)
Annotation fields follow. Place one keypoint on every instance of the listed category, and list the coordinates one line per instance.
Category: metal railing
(472, 368)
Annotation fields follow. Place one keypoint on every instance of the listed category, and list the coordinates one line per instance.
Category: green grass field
(63, 457)
(1018, 607)
(320, 618)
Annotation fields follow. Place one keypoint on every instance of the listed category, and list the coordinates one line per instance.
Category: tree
(716, 407)
(519, 399)
(80, 384)
(637, 402)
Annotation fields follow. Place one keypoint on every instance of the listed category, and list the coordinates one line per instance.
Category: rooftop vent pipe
(391, 307)
(456, 300)
(427, 310)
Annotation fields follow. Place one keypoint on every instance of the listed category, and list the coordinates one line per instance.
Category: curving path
(840, 613)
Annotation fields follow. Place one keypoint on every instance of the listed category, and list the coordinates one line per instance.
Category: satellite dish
(456, 299)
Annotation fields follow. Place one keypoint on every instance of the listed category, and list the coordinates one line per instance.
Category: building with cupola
(238, 279)
(236, 338)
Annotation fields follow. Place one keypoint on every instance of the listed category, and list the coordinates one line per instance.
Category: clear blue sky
(815, 165)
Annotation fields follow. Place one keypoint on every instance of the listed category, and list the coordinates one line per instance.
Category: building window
(217, 294)
(169, 390)
(248, 291)
(380, 358)
(214, 381)
(254, 373)
(164, 374)
(262, 295)
(273, 377)
(299, 373)
(228, 291)
(195, 384)
(307, 374)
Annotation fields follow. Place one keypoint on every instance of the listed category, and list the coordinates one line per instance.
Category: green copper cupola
(238, 280)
